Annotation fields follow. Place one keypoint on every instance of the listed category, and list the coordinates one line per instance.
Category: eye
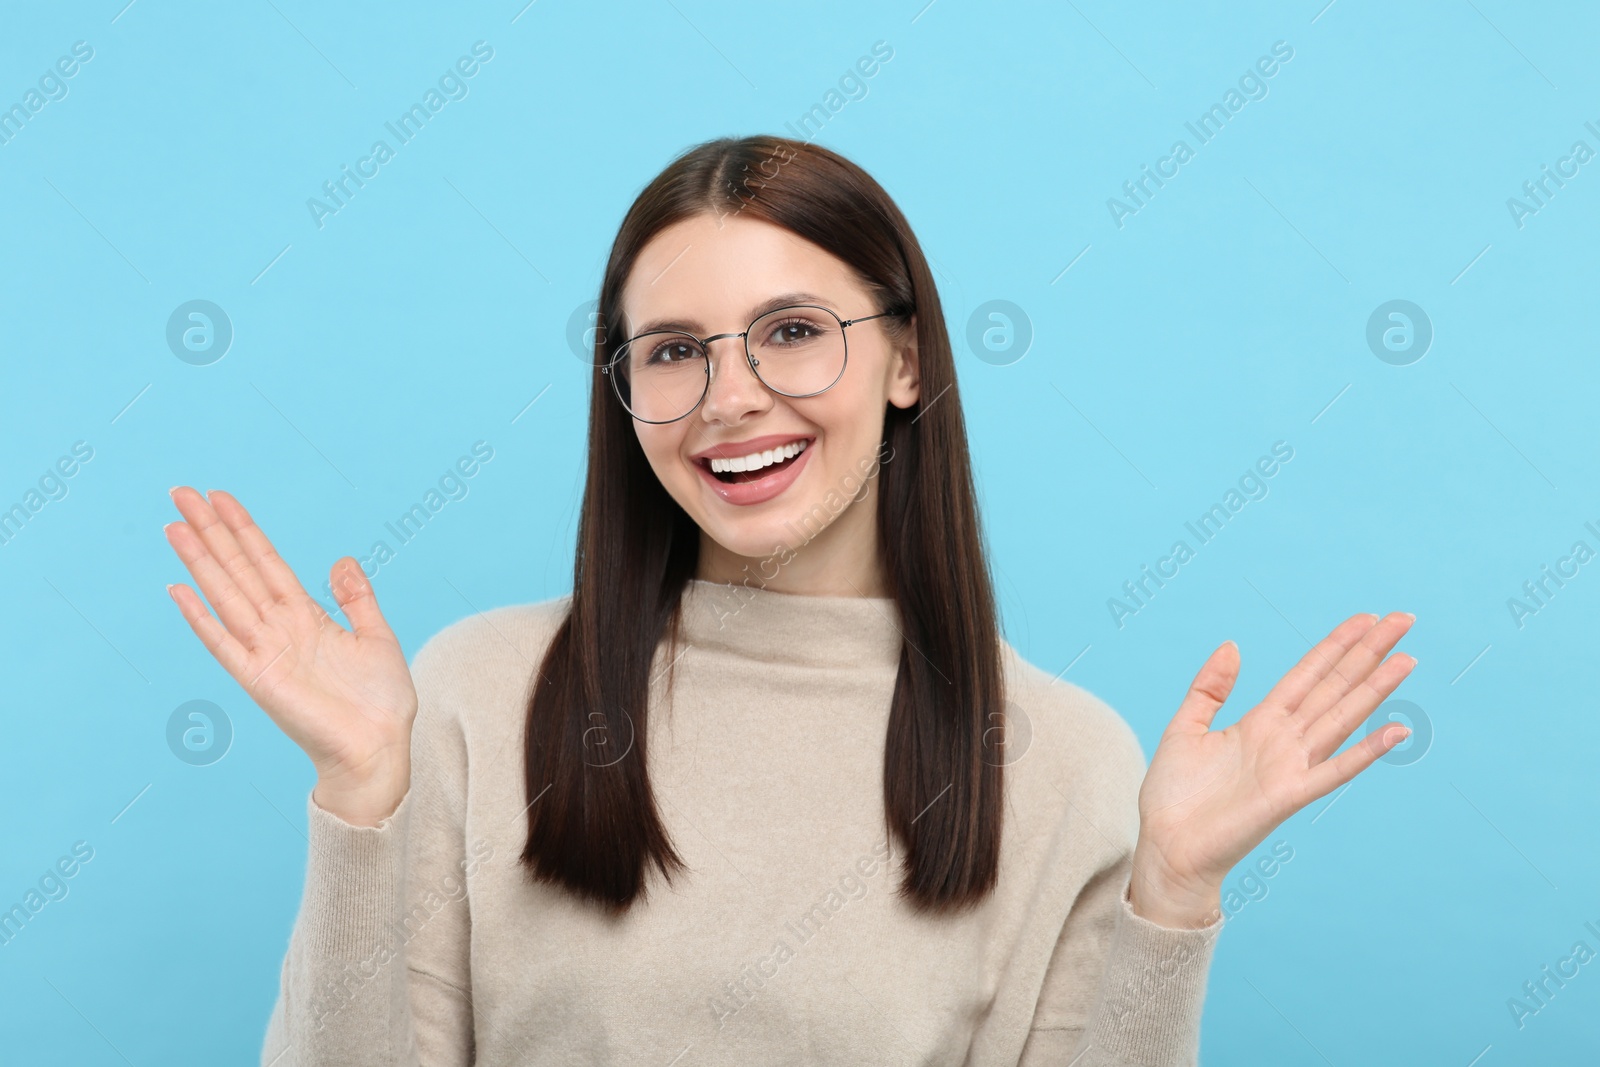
(793, 331)
(673, 350)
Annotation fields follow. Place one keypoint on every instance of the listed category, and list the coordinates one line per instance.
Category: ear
(905, 370)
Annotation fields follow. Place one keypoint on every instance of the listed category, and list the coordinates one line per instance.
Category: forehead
(710, 275)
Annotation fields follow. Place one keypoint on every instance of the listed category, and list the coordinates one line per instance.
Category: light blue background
(1228, 314)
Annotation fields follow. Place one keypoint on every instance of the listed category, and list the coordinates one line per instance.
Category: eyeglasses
(796, 351)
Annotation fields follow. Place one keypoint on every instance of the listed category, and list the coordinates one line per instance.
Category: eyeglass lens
(797, 351)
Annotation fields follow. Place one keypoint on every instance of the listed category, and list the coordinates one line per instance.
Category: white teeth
(756, 460)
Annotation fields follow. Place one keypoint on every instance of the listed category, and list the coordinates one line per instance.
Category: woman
(768, 786)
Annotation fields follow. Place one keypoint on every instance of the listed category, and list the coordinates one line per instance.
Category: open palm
(1210, 796)
(344, 696)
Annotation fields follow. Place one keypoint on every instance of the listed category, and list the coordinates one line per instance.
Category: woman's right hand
(344, 696)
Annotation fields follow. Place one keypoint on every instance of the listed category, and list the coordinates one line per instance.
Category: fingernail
(1409, 615)
(1403, 732)
(173, 490)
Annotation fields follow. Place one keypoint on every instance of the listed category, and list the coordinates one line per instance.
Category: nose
(734, 393)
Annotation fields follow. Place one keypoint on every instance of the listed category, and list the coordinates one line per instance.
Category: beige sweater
(420, 941)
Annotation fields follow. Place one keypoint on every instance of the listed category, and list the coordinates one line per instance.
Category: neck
(756, 624)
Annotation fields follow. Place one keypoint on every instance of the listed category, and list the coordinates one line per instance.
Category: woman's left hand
(1210, 796)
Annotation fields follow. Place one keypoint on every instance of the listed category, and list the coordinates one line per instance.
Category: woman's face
(708, 276)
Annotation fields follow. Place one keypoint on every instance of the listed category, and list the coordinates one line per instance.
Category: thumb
(1208, 691)
(355, 595)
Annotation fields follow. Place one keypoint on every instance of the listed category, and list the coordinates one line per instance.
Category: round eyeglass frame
(743, 335)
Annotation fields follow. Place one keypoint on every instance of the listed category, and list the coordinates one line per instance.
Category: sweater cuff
(354, 878)
(1154, 988)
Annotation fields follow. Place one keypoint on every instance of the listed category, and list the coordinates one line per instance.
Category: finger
(222, 645)
(1330, 774)
(231, 605)
(1293, 687)
(355, 595)
(1334, 726)
(1356, 664)
(222, 545)
(278, 577)
(1209, 690)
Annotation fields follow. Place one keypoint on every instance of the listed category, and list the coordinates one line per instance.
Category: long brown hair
(593, 825)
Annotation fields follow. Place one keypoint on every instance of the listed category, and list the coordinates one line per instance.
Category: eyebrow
(694, 326)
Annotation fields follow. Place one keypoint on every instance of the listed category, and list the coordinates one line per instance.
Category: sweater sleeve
(377, 968)
(1120, 990)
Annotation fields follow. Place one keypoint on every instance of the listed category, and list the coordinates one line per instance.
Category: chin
(772, 537)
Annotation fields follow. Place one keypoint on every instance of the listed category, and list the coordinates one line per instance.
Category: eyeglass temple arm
(865, 318)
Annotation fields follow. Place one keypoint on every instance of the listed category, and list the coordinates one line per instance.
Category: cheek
(850, 418)
(661, 450)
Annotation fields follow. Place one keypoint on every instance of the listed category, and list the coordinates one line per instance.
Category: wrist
(362, 800)
(1167, 898)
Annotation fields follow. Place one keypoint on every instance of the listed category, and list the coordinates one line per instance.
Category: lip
(761, 490)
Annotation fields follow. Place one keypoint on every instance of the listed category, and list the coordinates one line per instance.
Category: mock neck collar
(773, 627)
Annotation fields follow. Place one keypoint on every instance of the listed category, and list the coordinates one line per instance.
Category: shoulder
(1077, 742)
(513, 627)
(486, 646)
(1093, 725)
(473, 678)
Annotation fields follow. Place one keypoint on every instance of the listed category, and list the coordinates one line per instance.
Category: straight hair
(593, 824)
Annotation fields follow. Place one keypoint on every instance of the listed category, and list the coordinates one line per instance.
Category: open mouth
(756, 466)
